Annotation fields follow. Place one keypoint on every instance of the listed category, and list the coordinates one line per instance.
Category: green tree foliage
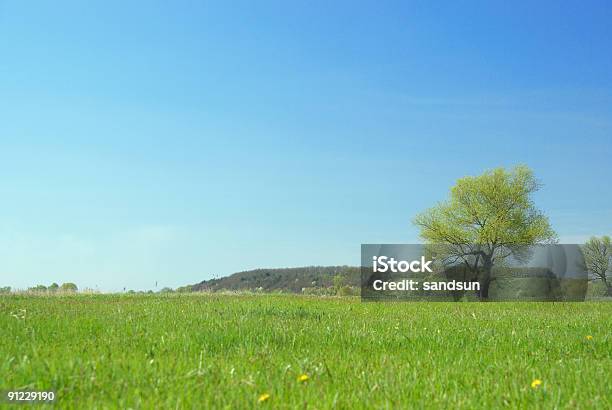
(53, 287)
(485, 220)
(339, 281)
(5, 290)
(69, 287)
(598, 258)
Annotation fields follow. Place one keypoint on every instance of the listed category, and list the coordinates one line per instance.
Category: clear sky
(170, 142)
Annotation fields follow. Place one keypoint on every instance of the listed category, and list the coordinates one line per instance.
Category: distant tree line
(67, 287)
(308, 279)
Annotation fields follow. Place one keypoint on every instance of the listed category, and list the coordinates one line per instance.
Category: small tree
(53, 287)
(5, 290)
(339, 281)
(69, 287)
(486, 219)
(598, 259)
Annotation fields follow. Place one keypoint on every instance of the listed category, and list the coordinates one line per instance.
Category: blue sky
(168, 142)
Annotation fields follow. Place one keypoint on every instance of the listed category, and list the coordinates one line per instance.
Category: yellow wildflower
(263, 397)
(589, 337)
(536, 383)
(303, 378)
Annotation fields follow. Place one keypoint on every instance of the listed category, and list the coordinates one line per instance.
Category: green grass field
(215, 351)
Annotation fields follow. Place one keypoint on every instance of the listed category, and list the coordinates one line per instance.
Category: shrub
(69, 287)
(346, 290)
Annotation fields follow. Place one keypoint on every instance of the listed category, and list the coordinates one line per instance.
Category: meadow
(222, 351)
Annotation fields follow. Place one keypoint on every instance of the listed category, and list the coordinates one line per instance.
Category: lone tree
(598, 259)
(486, 219)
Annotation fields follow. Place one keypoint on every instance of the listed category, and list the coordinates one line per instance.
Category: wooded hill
(284, 279)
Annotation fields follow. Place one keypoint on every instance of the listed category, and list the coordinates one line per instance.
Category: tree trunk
(608, 286)
(485, 279)
(484, 288)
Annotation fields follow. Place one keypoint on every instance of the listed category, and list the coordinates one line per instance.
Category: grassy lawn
(184, 351)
